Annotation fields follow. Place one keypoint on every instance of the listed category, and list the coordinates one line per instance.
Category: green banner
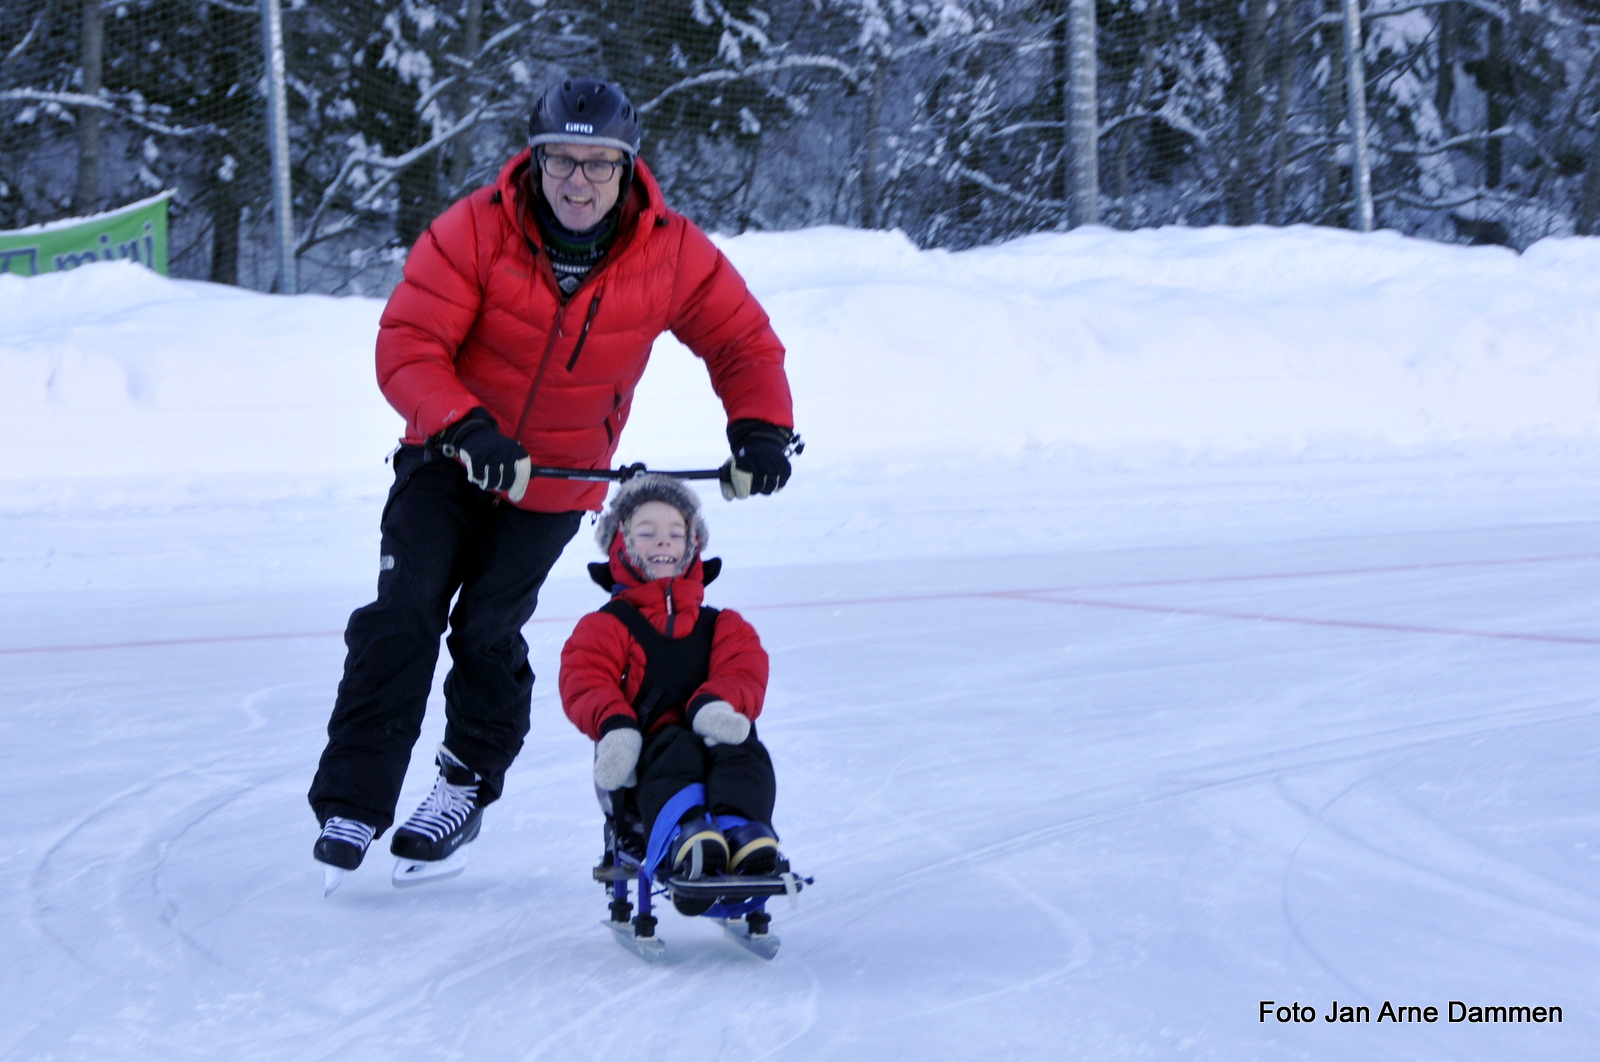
(137, 232)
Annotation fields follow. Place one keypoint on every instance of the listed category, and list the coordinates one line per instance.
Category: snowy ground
(1092, 742)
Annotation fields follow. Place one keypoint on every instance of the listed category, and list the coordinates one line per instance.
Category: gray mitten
(616, 755)
(720, 724)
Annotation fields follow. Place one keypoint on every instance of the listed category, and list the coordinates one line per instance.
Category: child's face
(658, 536)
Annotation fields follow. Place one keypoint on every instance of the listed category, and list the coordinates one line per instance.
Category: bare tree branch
(111, 107)
(395, 166)
(27, 38)
(983, 180)
(237, 9)
(1447, 145)
(1423, 204)
(792, 62)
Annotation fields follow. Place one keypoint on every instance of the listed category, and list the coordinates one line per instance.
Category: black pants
(738, 778)
(440, 534)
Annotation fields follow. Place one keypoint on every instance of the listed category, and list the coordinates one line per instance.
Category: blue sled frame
(738, 902)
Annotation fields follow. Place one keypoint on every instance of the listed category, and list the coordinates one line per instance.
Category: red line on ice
(162, 643)
(1031, 594)
(1309, 621)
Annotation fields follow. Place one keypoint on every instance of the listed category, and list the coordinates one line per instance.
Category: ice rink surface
(1161, 623)
(1096, 801)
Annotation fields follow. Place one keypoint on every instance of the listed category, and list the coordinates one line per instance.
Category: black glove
(492, 461)
(760, 462)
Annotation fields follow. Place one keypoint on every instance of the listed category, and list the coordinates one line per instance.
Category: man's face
(579, 202)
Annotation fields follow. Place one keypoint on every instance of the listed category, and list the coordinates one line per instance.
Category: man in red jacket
(516, 339)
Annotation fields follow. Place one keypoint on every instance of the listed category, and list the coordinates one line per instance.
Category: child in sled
(670, 689)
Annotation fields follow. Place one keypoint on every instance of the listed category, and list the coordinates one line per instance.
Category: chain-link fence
(958, 121)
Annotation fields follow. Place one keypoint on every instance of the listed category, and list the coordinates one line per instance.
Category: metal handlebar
(623, 474)
(627, 472)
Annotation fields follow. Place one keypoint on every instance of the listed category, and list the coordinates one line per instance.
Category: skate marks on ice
(188, 910)
(113, 893)
(188, 901)
(1012, 866)
(1461, 842)
(706, 998)
(1104, 828)
(1156, 823)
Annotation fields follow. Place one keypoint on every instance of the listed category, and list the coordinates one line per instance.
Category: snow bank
(110, 370)
(1181, 339)
(1168, 341)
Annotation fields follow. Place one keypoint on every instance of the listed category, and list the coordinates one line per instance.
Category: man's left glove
(493, 462)
(760, 461)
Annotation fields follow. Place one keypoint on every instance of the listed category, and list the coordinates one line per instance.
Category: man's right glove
(493, 462)
(760, 461)
(615, 757)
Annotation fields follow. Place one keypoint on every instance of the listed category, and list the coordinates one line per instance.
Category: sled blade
(650, 949)
(409, 873)
(761, 945)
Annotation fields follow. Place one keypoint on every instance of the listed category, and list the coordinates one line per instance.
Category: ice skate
(340, 848)
(430, 846)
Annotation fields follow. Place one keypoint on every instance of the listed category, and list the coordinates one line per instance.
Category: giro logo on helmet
(579, 127)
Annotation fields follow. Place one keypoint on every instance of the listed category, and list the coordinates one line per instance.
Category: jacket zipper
(538, 377)
(671, 616)
(543, 260)
(594, 308)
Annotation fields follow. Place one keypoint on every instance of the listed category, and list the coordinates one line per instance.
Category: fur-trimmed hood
(649, 487)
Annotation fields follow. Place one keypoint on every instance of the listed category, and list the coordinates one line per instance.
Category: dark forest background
(951, 120)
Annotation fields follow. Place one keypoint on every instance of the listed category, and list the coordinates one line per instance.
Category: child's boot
(752, 846)
(698, 850)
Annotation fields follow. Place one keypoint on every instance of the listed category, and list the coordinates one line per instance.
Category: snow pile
(1170, 342)
(111, 370)
(1182, 339)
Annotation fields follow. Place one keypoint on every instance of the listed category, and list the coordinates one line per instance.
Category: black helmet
(584, 110)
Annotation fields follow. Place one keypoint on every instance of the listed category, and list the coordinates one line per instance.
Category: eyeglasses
(598, 171)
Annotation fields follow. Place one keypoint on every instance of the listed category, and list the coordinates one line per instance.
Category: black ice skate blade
(650, 949)
(761, 945)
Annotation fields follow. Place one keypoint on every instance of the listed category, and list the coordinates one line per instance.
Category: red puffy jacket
(478, 321)
(602, 667)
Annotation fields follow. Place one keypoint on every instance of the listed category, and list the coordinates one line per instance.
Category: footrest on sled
(732, 887)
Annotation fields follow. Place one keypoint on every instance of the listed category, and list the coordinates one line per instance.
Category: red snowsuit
(479, 321)
(602, 666)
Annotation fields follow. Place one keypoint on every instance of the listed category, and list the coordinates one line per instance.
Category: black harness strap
(673, 667)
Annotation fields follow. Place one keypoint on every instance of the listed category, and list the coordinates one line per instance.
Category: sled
(737, 902)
